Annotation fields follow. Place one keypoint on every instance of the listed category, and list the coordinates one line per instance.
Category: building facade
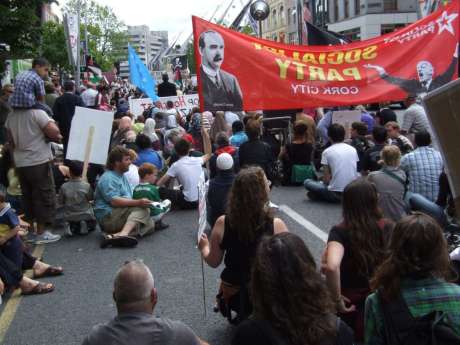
(364, 19)
(281, 24)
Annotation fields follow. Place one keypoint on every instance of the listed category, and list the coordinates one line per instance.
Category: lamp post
(259, 11)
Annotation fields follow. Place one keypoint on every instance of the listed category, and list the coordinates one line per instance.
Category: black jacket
(219, 188)
(64, 110)
(167, 89)
(259, 153)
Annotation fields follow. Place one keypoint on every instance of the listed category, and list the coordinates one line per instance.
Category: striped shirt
(422, 297)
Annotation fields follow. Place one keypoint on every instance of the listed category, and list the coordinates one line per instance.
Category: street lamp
(259, 11)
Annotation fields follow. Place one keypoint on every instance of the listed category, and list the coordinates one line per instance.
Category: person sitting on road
(118, 214)
(146, 189)
(238, 137)
(416, 275)
(299, 152)
(255, 151)
(135, 296)
(236, 235)
(146, 153)
(75, 196)
(132, 175)
(219, 187)
(358, 140)
(340, 168)
(391, 184)
(371, 157)
(223, 146)
(187, 170)
(396, 138)
(14, 258)
(290, 299)
(355, 248)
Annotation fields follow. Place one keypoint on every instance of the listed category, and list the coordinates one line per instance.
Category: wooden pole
(89, 144)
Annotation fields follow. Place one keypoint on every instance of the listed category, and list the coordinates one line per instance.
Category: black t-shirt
(256, 332)
(371, 158)
(299, 153)
(259, 153)
(350, 278)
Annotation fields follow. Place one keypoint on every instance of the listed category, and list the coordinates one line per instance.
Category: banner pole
(204, 287)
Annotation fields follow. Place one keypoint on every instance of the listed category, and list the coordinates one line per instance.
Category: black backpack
(401, 328)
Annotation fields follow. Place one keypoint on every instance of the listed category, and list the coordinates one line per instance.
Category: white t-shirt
(132, 175)
(342, 160)
(187, 170)
(231, 117)
(89, 97)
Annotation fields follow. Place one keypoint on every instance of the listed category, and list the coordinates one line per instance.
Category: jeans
(418, 202)
(320, 191)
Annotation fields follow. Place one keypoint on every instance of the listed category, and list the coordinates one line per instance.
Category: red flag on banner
(237, 72)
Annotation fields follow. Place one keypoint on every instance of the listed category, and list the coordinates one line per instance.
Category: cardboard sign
(182, 103)
(90, 135)
(346, 118)
(443, 109)
(202, 192)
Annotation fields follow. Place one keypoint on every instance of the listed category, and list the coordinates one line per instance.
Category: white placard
(82, 122)
(202, 191)
(346, 118)
(182, 103)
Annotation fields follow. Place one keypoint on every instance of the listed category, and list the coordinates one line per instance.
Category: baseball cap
(224, 161)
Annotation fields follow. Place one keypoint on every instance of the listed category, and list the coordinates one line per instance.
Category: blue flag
(140, 75)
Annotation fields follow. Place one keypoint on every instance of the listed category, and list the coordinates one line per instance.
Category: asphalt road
(83, 295)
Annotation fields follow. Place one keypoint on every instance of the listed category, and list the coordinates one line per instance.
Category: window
(390, 5)
(289, 16)
(282, 18)
(352, 34)
(292, 38)
(336, 10)
(387, 28)
(357, 7)
(347, 8)
(275, 20)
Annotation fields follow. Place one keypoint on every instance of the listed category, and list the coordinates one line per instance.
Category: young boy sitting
(75, 196)
(9, 222)
(148, 174)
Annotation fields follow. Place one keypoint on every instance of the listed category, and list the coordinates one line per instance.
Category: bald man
(135, 296)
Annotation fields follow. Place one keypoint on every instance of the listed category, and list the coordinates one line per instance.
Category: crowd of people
(386, 263)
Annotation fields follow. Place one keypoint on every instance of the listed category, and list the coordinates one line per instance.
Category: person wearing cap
(223, 146)
(219, 187)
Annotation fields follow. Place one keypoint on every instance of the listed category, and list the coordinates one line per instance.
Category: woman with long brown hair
(237, 234)
(354, 249)
(417, 272)
(291, 302)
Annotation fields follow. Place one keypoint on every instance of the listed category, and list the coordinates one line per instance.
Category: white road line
(305, 223)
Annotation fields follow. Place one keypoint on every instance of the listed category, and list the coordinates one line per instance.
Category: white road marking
(305, 223)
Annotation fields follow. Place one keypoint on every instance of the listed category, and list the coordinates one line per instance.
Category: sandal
(39, 289)
(118, 241)
(50, 272)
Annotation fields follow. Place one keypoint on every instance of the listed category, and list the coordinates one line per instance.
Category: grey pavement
(83, 295)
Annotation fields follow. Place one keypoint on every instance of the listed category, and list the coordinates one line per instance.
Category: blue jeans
(418, 202)
(320, 191)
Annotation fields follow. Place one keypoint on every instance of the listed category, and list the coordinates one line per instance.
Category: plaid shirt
(27, 87)
(422, 297)
(423, 166)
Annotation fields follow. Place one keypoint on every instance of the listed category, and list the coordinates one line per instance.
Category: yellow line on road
(12, 305)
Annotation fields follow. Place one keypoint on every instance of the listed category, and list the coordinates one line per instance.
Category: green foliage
(53, 46)
(191, 58)
(107, 39)
(247, 29)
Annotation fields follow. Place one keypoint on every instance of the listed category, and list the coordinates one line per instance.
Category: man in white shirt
(340, 168)
(187, 171)
(89, 96)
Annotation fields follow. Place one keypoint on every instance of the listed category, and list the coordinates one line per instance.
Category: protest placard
(90, 136)
(182, 103)
(202, 191)
(346, 118)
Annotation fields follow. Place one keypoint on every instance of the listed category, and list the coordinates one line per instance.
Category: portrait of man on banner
(220, 89)
(426, 80)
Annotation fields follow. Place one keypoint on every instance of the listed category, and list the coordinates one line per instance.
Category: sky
(171, 15)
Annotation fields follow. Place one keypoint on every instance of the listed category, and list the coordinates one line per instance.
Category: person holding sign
(118, 214)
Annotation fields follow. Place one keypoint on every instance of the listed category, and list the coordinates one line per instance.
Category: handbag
(302, 172)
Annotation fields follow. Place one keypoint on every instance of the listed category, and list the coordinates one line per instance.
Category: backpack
(401, 328)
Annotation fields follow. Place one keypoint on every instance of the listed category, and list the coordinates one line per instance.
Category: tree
(107, 39)
(53, 46)
(191, 57)
(20, 27)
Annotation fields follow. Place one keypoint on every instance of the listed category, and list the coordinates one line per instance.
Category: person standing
(414, 119)
(166, 89)
(31, 131)
(5, 109)
(64, 110)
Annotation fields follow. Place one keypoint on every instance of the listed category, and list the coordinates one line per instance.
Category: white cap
(224, 161)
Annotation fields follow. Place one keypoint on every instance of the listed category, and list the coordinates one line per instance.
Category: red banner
(237, 72)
